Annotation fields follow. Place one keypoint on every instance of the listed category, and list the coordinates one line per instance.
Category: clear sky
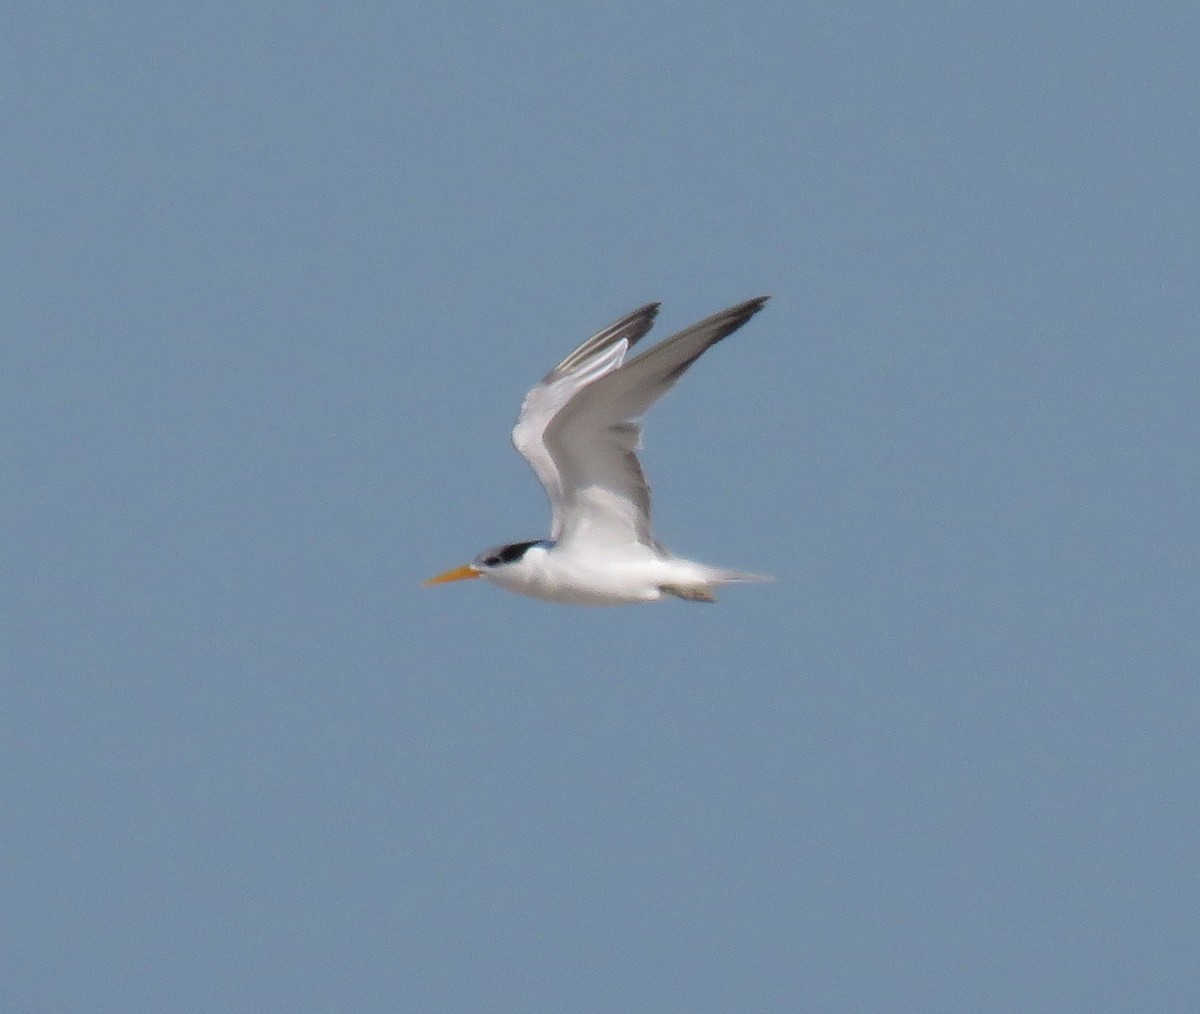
(276, 277)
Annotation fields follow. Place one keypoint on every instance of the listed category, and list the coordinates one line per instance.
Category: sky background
(275, 279)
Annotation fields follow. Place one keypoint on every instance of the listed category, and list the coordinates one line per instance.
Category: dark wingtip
(751, 306)
(742, 312)
(709, 331)
(632, 327)
(644, 316)
(734, 317)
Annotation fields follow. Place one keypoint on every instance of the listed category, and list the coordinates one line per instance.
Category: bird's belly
(584, 583)
(590, 594)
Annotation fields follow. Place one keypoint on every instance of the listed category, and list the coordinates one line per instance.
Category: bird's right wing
(600, 354)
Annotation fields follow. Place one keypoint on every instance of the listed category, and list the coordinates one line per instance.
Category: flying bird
(579, 431)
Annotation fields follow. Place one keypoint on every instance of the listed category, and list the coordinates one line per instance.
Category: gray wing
(594, 437)
(600, 354)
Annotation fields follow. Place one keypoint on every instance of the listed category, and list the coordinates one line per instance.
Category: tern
(579, 430)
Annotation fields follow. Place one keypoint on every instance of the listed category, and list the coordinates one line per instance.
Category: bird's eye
(492, 561)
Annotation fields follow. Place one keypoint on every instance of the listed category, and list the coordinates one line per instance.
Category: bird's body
(578, 430)
(634, 573)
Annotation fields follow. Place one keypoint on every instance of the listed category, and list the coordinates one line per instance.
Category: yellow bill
(458, 574)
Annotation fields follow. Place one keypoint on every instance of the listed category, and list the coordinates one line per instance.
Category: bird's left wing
(594, 437)
(599, 355)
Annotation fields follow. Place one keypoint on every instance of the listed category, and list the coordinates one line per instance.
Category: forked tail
(721, 576)
(713, 579)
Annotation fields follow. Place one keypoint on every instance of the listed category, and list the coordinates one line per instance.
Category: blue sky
(276, 279)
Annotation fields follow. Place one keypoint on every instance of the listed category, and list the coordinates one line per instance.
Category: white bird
(579, 431)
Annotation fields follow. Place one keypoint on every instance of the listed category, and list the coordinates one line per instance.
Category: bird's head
(488, 562)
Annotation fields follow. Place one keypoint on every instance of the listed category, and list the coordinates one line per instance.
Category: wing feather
(593, 437)
(600, 354)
